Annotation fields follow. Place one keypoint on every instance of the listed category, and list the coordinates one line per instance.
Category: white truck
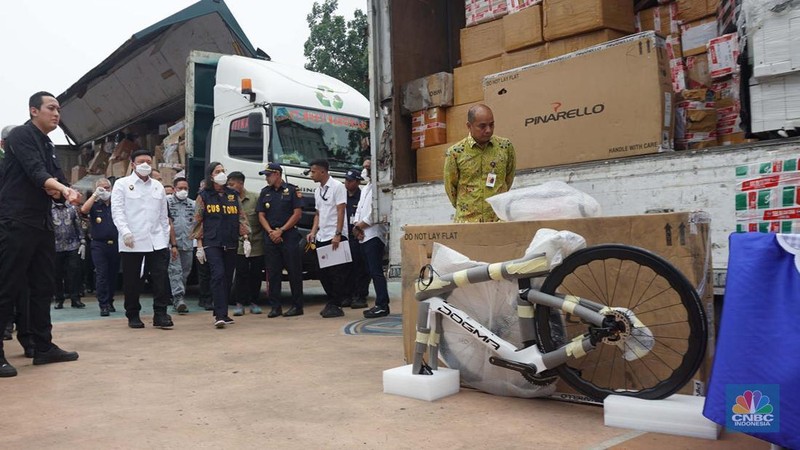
(675, 181)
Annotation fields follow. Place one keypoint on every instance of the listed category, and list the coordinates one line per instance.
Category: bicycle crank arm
(529, 369)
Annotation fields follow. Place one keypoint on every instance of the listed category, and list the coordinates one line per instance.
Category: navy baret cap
(353, 174)
(271, 167)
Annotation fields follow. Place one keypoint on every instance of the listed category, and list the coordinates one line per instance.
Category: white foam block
(400, 381)
(678, 414)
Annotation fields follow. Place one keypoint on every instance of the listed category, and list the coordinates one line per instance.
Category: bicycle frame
(433, 307)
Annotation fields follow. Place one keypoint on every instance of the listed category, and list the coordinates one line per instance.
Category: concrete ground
(299, 382)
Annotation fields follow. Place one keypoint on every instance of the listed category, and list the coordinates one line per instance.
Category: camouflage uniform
(466, 167)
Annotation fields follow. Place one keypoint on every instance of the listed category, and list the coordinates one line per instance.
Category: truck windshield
(304, 135)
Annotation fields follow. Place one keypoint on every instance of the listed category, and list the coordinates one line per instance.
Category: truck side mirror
(255, 124)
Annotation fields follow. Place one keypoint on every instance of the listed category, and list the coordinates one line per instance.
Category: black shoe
(135, 322)
(7, 335)
(111, 307)
(360, 303)
(376, 311)
(162, 320)
(228, 320)
(6, 369)
(59, 305)
(331, 311)
(347, 302)
(54, 355)
(275, 312)
(293, 311)
(104, 312)
(78, 304)
(30, 352)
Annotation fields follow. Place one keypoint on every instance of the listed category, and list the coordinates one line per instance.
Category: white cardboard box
(776, 43)
(775, 102)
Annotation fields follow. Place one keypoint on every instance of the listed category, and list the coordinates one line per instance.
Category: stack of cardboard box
(426, 99)
(768, 197)
(695, 119)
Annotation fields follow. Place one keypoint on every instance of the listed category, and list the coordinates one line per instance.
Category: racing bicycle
(610, 319)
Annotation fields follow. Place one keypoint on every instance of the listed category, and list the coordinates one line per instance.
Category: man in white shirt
(373, 243)
(139, 209)
(330, 200)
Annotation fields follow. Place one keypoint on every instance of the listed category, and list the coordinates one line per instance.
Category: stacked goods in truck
(723, 56)
(481, 42)
(676, 66)
(558, 111)
(729, 110)
(430, 162)
(695, 120)
(579, 42)
(662, 19)
(523, 28)
(515, 6)
(695, 35)
(99, 162)
(564, 18)
(480, 11)
(697, 73)
(768, 197)
(775, 103)
(467, 80)
(428, 92)
(171, 156)
(120, 158)
(691, 10)
(775, 38)
(428, 127)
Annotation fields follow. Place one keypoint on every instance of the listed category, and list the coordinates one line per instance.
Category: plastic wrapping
(757, 11)
(493, 304)
(547, 201)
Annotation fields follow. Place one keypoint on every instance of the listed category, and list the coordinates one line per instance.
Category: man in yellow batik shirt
(478, 167)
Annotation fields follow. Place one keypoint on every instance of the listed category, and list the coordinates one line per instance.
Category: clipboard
(327, 257)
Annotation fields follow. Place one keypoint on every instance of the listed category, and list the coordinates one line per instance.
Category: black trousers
(221, 263)
(358, 276)
(156, 263)
(68, 276)
(247, 279)
(285, 255)
(204, 279)
(334, 279)
(27, 263)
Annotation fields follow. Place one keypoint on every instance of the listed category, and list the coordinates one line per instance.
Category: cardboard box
(774, 103)
(731, 139)
(428, 92)
(695, 36)
(481, 42)
(99, 163)
(723, 56)
(167, 175)
(77, 173)
(520, 58)
(661, 19)
(123, 150)
(674, 49)
(776, 43)
(697, 74)
(468, 79)
(563, 18)
(480, 11)
(678, 74)
(560, 111)
(119, 169)
(430, 162)
(428, 128)
(523, 29)
(580, 42)
(690, 10)
(515, 6)
(689, 251)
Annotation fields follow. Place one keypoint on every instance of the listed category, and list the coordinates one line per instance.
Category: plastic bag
(547, 201)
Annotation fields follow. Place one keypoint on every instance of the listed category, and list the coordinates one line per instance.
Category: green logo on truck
(323, 93)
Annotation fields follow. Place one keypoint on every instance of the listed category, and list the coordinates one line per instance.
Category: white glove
(247, 248)
(82, 251)
(99, 191)
(201, 255)
(128, 240)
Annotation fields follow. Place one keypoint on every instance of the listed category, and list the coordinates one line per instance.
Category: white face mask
(181, 195)
(104, 195)
(144, 169)
(365, 174)
(221, 178)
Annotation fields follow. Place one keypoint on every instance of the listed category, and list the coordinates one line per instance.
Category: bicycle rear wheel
(620, 276)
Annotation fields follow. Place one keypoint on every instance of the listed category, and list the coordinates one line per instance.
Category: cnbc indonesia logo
(753, 410)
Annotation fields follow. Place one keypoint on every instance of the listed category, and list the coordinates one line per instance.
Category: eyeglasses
(323, 192)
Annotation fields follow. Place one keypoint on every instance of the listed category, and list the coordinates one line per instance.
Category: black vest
(220, 218)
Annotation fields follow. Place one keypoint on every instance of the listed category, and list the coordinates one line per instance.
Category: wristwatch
(338, 233)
